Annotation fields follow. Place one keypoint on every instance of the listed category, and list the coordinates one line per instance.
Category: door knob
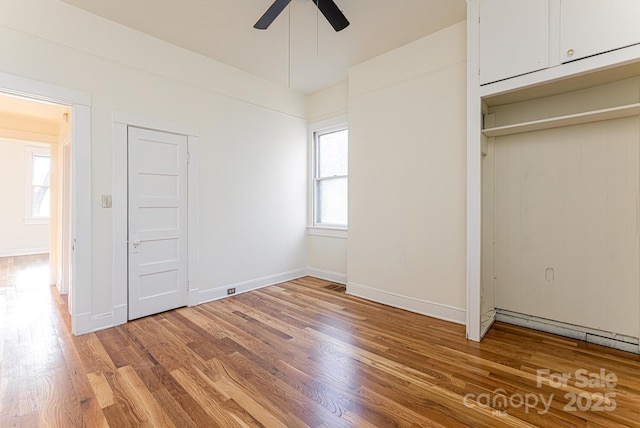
(135, 243)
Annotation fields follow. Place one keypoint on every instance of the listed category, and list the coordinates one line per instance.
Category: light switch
(106, 201)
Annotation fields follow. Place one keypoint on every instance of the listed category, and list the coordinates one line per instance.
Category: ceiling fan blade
(333, 14)
(271, 14)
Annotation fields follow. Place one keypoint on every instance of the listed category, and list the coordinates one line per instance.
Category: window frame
(315, 130)
(31, 151)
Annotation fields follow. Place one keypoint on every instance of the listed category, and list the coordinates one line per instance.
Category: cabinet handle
(570, 52)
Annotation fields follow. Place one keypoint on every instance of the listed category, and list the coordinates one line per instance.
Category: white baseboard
(88, 323)
(23, 252)
(102, 321)
(83, 324)
(586, 334)
(193, 297)
(120, 314)
(253, 284)
(110, 319)
(424, 307)
(58, 284)
(340, 278)
(486, 325)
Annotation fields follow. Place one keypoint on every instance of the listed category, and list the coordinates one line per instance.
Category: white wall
(407, 184)
(16, 237)
(252, 135)
(328, 103)
(327, 255)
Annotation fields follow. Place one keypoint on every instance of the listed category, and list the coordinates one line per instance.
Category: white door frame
(80, 295)
(474, 176)
(121, 121)
(64, 242)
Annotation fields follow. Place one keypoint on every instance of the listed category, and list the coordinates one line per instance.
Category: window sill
(330, 232)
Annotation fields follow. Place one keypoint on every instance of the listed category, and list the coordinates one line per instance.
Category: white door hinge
(188, 157)
(188, 285)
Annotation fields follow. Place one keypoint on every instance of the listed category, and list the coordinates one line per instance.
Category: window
(330, 177)
(38, 195)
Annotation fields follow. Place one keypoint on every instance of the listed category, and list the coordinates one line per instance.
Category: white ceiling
(34, 109)
(320, 57)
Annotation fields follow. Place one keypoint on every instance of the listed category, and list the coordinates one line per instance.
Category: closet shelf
(572, 119)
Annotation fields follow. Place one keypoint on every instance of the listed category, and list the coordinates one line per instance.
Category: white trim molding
(327, 232)
(140, 121)
(218, 293)
(337, 277)
(193, 211)
(42, 91)
(85, 320)
(487, 324)
(586, 334)
(412, 304)
(119, 313)
(81, 218)
(108, 320)
(24, 252)
(474, 175)
(102, 321)
(120, 222)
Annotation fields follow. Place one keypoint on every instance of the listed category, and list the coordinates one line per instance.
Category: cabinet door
(590, 27)
(514, 38)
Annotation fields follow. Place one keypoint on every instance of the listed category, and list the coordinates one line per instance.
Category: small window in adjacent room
(330, 177)
(38, 196)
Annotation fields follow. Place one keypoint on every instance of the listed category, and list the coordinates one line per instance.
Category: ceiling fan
(328, 8)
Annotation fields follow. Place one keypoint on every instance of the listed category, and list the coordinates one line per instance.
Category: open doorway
(79, 103)
(35, 170)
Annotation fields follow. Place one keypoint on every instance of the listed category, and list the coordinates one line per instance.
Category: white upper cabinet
(514, 38)
(519, 37)
(590, 27)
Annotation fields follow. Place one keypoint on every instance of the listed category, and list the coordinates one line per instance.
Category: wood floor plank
(301, 353)
(300, 411)
(83, 397)
(209, 399)
(181, 397)
(232, 392)
(101, 388)
(140, 398)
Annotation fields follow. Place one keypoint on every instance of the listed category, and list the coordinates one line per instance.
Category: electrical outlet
(231, 291)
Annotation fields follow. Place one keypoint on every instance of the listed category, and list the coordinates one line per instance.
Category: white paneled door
(157, 221)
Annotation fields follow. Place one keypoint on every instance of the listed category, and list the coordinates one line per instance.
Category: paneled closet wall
(560, 207)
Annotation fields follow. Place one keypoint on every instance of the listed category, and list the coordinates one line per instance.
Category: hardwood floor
(302, 353)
